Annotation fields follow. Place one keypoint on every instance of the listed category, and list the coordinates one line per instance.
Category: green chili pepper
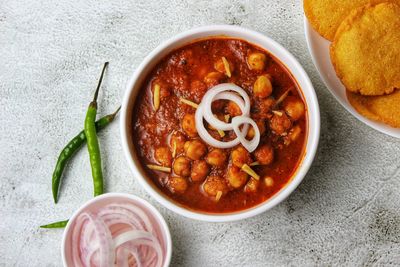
(60, 224)
(92, 141)
(70, 149)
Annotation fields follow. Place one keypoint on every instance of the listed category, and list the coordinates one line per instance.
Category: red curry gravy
(185, 73)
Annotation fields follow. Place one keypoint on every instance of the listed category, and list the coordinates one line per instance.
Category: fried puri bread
(325, 16)
(384, 108)
(366, 50)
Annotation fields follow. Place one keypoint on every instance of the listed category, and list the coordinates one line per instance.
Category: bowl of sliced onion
(116, 229)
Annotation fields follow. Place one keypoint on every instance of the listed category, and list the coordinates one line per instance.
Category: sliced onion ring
(221, 91)
(204, 111)
(140, 237)
(122, 257)
(205, 135)
(214, 121)
(253, 143)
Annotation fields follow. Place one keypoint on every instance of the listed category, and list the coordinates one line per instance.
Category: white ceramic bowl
(105, 199)
(259, 40)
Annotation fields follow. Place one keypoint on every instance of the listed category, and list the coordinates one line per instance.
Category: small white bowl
(250, 36)
(105, 199)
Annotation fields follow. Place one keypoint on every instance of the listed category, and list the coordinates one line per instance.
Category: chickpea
(256, 61)
(181, 166)
(294, 107)
(268, 181)
(251, 186)
(195, 149)
(240, 156)
(262, 86)
(213, 184)
(179, 140)
(189, 125)
(266, 105)
(251, 133)
(261, 128)
(293, 135)
(280, 122)
(236, 177)
(233, 109)
(163, 156)
(200, 170)
(216, 157)
(264, 154)
(213, 78)
(219, 66)
(177, 184)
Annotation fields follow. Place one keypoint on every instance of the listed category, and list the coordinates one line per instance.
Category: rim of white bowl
(160, 219)
(313, 114)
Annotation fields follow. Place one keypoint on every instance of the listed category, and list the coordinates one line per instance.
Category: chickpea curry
(188, 169)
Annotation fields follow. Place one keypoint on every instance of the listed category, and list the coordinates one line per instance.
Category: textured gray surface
(346, 212)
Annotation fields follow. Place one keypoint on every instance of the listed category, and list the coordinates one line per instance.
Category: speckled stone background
(346, 211)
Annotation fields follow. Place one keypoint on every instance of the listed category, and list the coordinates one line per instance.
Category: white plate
(319, 50)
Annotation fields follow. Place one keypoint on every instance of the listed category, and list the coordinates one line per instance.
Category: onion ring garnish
(234, 93)
(206, 136)
(253, 143)
(221, 91)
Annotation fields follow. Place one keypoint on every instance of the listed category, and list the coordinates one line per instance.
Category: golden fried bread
(325, 16)
(384, 108)
(366, 50)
